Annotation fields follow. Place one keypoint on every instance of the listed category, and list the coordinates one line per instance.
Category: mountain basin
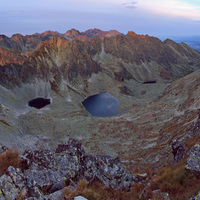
(102, 105)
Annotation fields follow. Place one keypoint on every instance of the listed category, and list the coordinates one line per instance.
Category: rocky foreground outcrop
(193, 165)
(193, 161)
(45, 172)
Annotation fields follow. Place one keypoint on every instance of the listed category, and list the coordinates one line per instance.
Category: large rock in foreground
(48, 172)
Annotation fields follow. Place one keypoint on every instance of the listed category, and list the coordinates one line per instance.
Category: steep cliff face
(56, 57)
(59, 54)
(136, 69)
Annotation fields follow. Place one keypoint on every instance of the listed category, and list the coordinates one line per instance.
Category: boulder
(140, 177)
(195, 128)
(8, 189)
(193, 161)
(56, 195)
(79, 198)
(108, 171)
(178, 150)
(13, 184)
(46, 172)
(50, 171)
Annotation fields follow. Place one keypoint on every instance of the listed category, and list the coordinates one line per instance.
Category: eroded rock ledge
(47, 173)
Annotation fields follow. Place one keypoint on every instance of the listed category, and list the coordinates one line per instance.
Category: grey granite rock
(45, 172)
(79, 198)
(8, 188)
(178, 150)
(193, 161)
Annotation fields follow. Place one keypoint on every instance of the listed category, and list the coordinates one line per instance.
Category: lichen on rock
(45, 172)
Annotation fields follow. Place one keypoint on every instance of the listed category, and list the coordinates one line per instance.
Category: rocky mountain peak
(98, 33)
(3, 37)
(18, 37)
(133, 34)
(94, 32)
(54, 42)
(52, 33)
(112, 33)
(72, 33)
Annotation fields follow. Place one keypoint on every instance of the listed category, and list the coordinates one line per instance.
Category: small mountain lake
(39, 102)
(102, 105)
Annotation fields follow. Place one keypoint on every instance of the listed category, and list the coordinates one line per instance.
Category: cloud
(153, 17)
(176, 8)
(130, 5)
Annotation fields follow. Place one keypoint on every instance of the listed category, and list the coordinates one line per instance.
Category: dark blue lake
(101, 105)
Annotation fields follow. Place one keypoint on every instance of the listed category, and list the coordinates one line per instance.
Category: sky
(153, 17)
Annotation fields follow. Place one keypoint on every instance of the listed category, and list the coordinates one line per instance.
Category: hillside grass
(8, 158)
(97, 191)
(173, 179)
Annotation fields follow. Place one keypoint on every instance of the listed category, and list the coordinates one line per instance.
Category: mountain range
(156, 83)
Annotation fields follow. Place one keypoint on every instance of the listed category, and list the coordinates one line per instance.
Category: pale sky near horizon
(153, 17)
